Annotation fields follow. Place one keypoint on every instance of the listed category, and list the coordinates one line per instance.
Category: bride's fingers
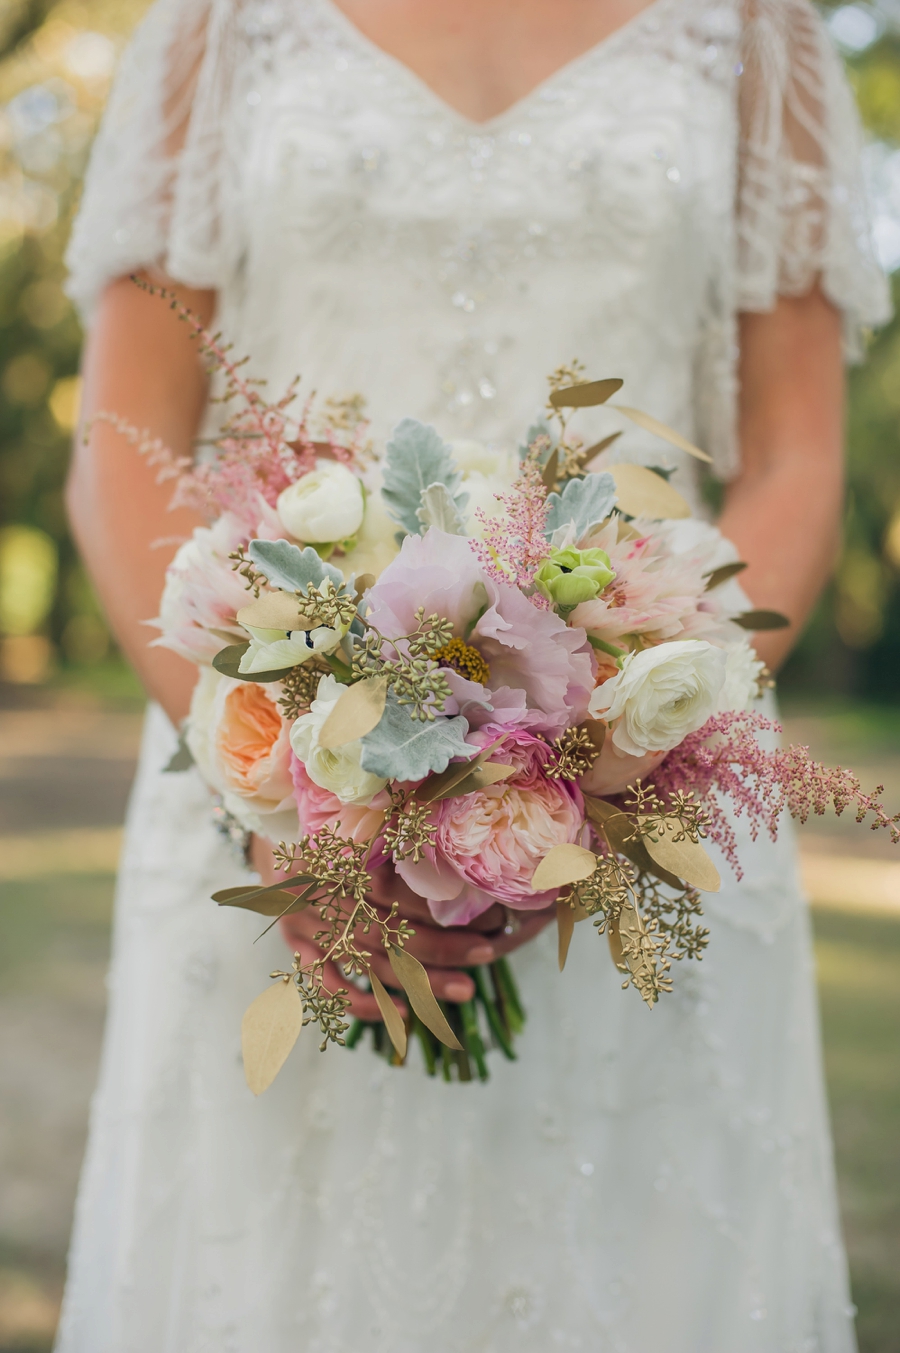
(388, 887)
(457, 947)
(363, 1004)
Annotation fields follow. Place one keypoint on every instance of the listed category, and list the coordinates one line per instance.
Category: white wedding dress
(639, 1180)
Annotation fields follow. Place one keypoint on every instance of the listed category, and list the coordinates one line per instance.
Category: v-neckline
(411, 77)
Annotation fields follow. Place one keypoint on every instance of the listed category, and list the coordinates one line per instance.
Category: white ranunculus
(660, 695)
(743, 671)
(338, 771)
(271, 650)
(324, 506)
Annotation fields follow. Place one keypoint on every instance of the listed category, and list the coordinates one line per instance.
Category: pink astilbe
(725, 757)
(261, 448)
(514, 545)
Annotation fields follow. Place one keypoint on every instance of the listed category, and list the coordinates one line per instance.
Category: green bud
(571, 576)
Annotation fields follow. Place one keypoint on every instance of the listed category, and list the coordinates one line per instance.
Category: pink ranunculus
(488, 844)
(526, 648)
(318, 808)
(203, 593)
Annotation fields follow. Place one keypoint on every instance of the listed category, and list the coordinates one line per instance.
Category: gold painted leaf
(269, 1029)
(444, 785)
(718, 576)
(561, 865)
(762, 620)
(273, 611)
(269, 903)
(585, 394)
(687, 859)
(550, 471)
(596, 730)
(617, 828)
(492, 773)
(651, 424)
(363, 583)
(565, 922)
(615, 945)
(356, 713)
(599, 447)
(393, 1020)
(414, 980)
(641, 493)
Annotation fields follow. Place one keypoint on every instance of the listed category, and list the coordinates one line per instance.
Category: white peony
(660, 695)
(743, 671)
(324, 506)
(338, 771)
(272, 650)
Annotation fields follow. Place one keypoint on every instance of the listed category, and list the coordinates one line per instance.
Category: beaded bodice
(364, 234)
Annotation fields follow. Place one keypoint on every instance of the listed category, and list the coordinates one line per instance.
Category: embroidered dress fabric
(638, 1179)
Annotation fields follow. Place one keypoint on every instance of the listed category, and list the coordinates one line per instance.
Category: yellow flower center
(465, 659)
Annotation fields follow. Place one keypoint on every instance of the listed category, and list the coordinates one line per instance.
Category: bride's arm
(783, 511)
(140, 364)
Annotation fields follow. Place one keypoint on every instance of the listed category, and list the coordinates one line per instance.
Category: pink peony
(318, 808)
(525, 648)
(488, 844)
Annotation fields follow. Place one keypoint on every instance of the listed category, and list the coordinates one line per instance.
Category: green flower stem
(354, 1033)
(606, 647)
(494, 1018)
(473, 1042)
(429, 1051)
(342, 670)
(446, 1062)
(508, 995)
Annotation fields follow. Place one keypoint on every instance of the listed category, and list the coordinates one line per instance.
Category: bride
(436, 205)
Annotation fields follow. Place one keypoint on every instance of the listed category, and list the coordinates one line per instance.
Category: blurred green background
(70, 709)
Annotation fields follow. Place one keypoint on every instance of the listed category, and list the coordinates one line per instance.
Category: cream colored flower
(241, 746)
(743, 671)
(324, 506)
(376, 540)
(271, 650)
(485, 473)
(660, 695)
(339, 770)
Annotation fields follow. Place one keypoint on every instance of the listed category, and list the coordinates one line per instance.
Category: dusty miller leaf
(404, 748)
(438, 509)
(585, 502)
(415, 458)
(290, 568)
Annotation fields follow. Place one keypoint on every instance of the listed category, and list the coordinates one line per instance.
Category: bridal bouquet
(524, 683)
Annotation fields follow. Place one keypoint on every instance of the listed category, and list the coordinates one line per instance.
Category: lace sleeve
(153, 187)
(802, 211)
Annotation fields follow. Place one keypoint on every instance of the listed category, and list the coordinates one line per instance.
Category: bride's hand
(444, 950)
